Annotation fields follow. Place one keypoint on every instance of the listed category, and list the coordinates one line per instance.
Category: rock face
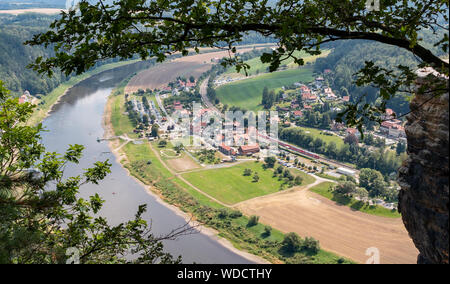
(423, 177)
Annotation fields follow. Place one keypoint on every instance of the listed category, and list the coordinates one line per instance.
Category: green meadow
(230, 186)
(247, 93)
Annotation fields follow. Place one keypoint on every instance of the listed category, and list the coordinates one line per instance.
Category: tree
(298, 180)
(191, 79)
(178, 25)
(100, 31)
(253, 221)
(247, 172)
(162, 143)
(270, 162)
(401, 148)
(255, 177)
(43, 217)
(292, 242)
(345, 188)
(311, 245)
(178, 148)
(351, 139)
(155, 130)
(279, 169)
(267, 231)
(373, 181)
(145, 120)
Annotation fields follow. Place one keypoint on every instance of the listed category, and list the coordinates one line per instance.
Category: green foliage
(311, 245)
(270, 162)
(14, 57)
(381, 159)
(255, 177)
(253, 221)
(372, 180)
(345, 188)
(299, 26)
(267, 231)
(292, 242)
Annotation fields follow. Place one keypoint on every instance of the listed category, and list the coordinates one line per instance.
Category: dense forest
(348, 57)
(12, 5)
(14, 56)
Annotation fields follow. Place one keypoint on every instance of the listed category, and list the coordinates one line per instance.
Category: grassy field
(324, 190)
(307, 179)
(120, 122)
(247, 93)
(317, 133)
(230, 186)
(50, 99)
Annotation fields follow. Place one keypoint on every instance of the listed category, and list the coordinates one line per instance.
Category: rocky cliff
(423, 177)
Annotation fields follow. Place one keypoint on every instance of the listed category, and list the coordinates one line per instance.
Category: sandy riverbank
(120, 156)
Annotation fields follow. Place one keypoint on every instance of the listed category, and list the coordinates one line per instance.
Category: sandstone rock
(424, 176)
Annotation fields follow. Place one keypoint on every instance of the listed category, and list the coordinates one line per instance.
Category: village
(157, 109)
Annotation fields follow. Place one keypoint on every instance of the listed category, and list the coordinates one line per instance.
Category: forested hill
(348, 57)
(14, 56)
(14, 4)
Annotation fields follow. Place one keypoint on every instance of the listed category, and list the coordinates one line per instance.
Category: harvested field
(338, 228)
(182, 164)
(161, 74)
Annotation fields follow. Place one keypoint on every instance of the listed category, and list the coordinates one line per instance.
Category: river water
(77, 119)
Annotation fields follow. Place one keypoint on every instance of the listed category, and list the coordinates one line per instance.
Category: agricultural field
(257, 67)
(247, 93)
(160, 75)
(230, 186)
(339, 228)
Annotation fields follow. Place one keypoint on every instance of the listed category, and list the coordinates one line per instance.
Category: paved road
(205, 99)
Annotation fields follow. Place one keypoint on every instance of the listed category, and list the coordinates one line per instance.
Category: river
(77, 119)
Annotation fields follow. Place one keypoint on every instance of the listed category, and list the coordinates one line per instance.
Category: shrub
(223, 213)
(235, 214)
(311, 245)
(292, 242)
(253, 221)
(298, 180)
(256, 177)
(267, 231)
(247, 172)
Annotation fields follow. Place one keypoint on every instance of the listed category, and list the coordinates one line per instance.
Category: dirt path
(338, 228)
(178, 175)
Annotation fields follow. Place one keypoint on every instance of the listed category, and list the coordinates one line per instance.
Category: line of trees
(381, 159)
